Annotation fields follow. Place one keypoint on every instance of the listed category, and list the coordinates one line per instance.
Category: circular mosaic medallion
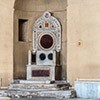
(46, 41)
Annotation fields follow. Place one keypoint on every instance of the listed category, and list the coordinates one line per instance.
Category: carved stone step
(38, 82)
(56, 94)
(24, 88)
(31, 86)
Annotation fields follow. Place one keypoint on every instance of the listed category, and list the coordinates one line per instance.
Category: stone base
(58, 89)
(27, 94)
(24, 85)
(41, 72)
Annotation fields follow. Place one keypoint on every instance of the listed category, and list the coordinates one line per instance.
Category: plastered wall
(83, 39)
(6, 41)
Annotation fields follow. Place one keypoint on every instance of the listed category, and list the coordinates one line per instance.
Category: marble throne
(45, 45)
(42, 62)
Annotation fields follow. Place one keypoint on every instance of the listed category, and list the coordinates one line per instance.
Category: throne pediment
(47, 33)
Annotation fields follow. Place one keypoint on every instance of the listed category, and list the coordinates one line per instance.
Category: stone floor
(50, 99)
(6, 98)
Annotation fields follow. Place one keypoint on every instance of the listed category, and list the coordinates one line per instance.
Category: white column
(29, 57)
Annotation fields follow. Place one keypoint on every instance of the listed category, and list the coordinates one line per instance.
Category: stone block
(87, 89)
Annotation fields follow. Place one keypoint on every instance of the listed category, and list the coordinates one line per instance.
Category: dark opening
(50, 56)
(33, 58)
(22, 29)
(42, 56)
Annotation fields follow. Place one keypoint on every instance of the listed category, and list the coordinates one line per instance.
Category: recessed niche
(22, 29)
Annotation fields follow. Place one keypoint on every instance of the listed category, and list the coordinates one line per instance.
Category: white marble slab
(33, 82)
(87, 89)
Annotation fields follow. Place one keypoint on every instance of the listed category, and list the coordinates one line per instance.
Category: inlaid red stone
(46, 25)
(40, 73)
(46, 41)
